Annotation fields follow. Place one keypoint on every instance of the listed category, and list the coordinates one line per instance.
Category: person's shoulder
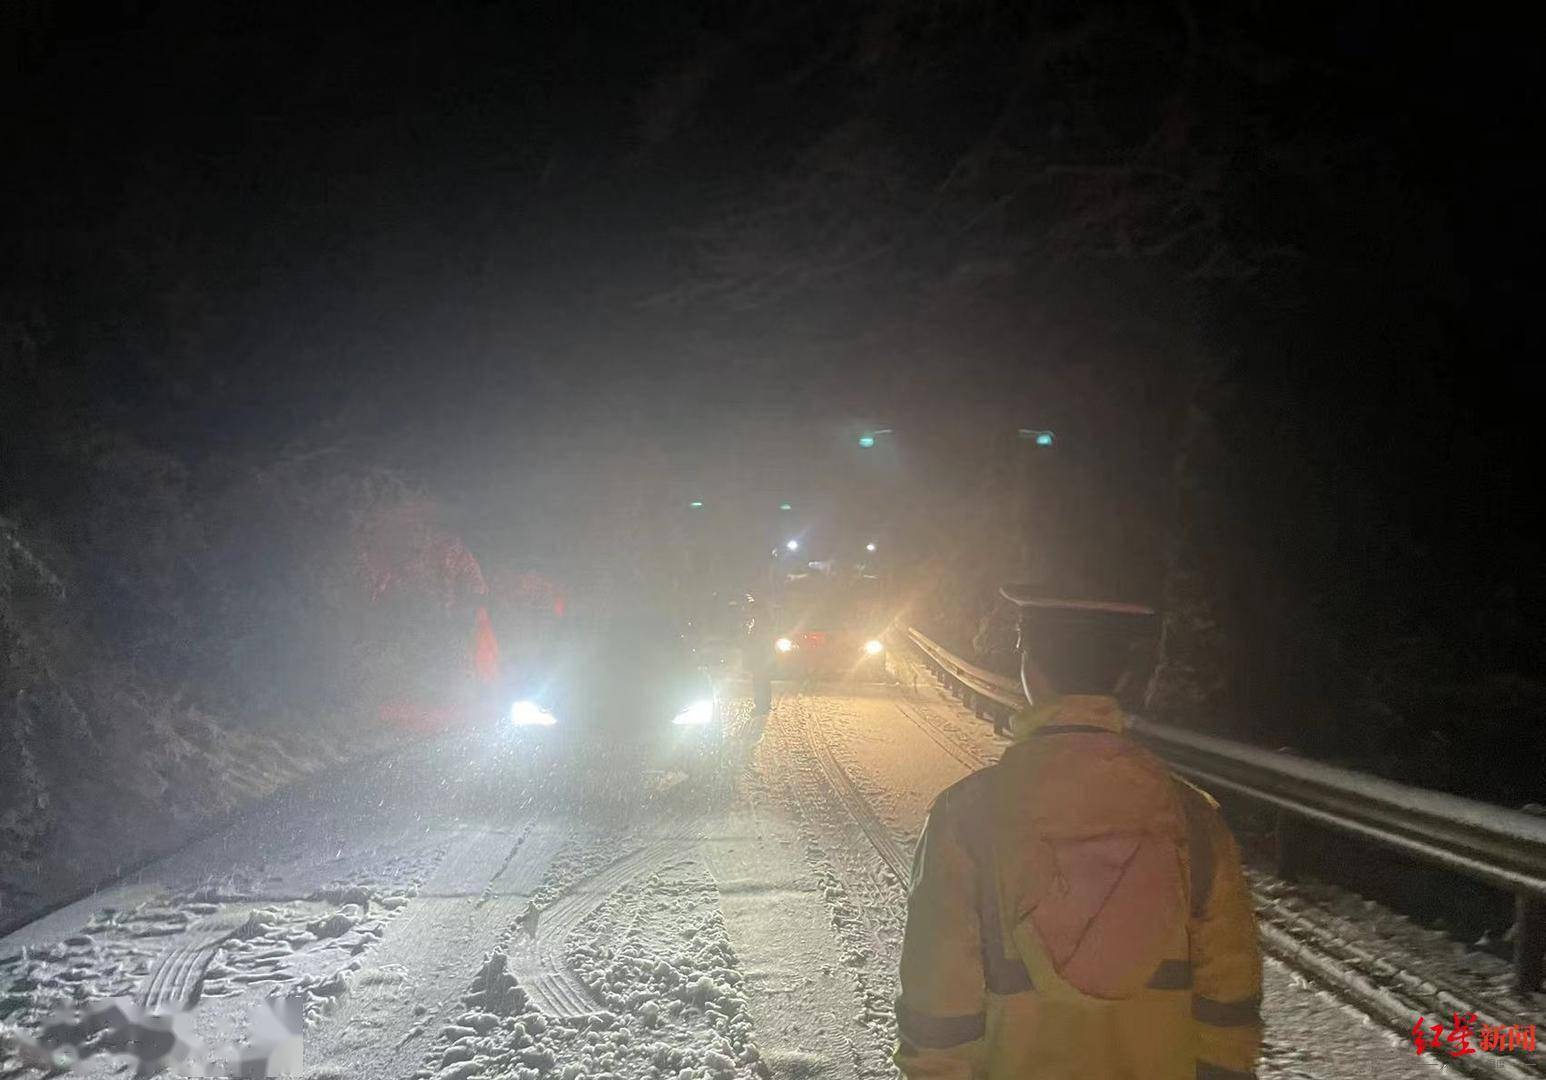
(965, 798)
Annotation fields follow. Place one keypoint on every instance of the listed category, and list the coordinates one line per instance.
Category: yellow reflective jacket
(1078, 912)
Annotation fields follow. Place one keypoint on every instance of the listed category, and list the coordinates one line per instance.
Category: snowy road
(442, 920)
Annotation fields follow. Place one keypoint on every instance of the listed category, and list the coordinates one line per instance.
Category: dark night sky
(507, 245)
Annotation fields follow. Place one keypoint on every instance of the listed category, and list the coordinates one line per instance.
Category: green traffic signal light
(785, 506)
(866, 441)
(696, 504)
(1040, 438)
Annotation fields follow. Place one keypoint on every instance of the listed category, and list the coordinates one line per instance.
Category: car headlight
(530, 714)
(695, 715)
(783, 644)
(874, 647)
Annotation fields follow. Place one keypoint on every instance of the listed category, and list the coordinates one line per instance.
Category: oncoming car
(832, 632)
(616, 695)
(830, 652)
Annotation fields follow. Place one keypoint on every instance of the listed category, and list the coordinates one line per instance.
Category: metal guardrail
(975, 680)
(1503, 848)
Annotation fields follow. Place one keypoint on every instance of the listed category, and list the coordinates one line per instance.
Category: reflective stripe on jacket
(1042, 940)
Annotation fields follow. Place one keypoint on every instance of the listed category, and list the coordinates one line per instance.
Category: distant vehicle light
(783, 644)
(530, 714)
(792, 545)
(873, 647)
(870, 546)
(695, 715)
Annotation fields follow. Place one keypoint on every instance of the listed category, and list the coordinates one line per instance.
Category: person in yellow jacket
(1076, 911)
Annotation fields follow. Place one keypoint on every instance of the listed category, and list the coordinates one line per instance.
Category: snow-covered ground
(440, 919)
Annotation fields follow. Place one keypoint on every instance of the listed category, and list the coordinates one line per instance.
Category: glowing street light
(792, 545)
(870, 546)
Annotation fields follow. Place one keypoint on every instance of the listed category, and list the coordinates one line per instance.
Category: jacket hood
(1074, 710)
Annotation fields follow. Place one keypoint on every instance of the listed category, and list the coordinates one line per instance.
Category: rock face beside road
(108, 755)
(96, 781)
(79, 806)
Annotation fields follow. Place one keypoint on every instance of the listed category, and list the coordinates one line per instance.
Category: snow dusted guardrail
(1504, 848)
(989, 694)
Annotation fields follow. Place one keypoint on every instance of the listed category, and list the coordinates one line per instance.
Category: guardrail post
(1529, 943)
(1529, 932)
(1288, 839)
(1288, 852)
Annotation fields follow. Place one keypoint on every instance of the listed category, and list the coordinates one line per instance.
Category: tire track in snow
(174, 981)
(779, 922)
(852, 799)
(923, 715)
(537, 959)
(931, 726)
(401, 992)
(537, 955)
(865, 902)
